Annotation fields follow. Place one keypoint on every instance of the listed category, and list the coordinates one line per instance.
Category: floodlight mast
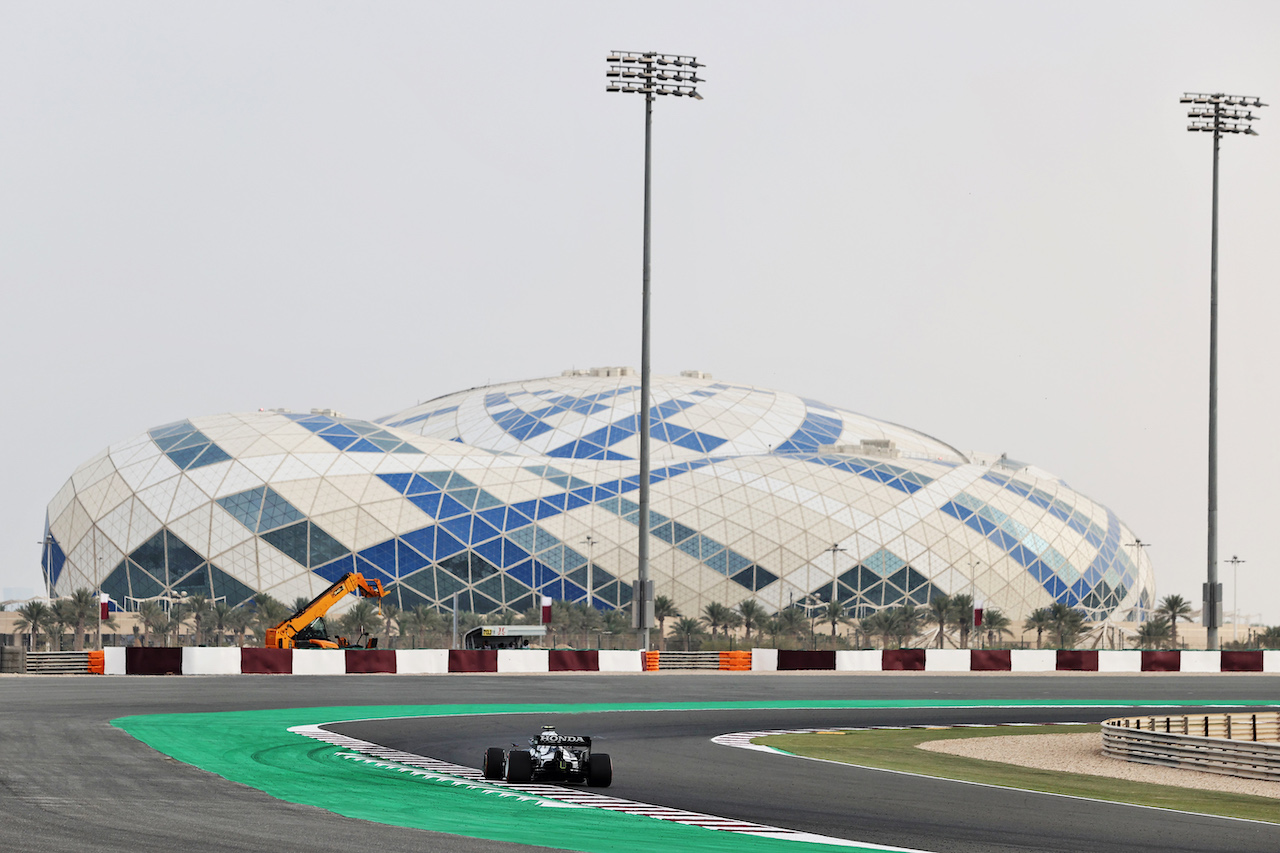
(649, 74)
(1217, 114)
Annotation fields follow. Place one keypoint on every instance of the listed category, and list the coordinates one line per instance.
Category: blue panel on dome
(290, 540)
(337, 428)
(212, 454)
(323, 547)
(408, 559)
(1004, 540)
(342, 442)
(53, 558)
(428, 503)
(399, 482)
(522, 572)
(491, 551)
(276, 511)
(422, 540)
(382, 555)
(450, 508)
(363, 445)
(183, 458)
(459, 527)
(447, 545)
(335, 570)
(245, 506)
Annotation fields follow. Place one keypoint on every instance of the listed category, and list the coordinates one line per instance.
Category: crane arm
(281, 636)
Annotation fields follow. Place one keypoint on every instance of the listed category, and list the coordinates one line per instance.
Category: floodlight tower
(649, 74)
(1216, 114)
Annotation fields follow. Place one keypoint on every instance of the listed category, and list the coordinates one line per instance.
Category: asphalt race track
(70, 781)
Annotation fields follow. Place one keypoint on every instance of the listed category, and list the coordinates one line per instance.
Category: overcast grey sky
(983, 220)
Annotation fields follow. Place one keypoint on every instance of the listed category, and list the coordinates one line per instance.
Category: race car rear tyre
(600, 770)
(494, 759)
(519, 766)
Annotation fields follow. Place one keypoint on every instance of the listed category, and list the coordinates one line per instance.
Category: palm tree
(793, 623)
(716, 615)
(940, 609)
(268, 613)
(152, 617)
(906, 623)
(997, 625)
(1174, 607)
(834, 613)
(32, 617)
(1067, 622)
(688, 628)
(300, 603)
(1039, 621)
(1154, 632)
(962, 615)
(664, 608)
(198, 608)
(389, 612)
(1270, 638)
(81, 608)
(879, 624)
(363, 618)
(753, 615)
(238, 622)
(60, 619)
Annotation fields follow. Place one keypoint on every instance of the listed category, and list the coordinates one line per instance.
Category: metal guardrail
(57, 663)
(1246, 745)
(736, 660)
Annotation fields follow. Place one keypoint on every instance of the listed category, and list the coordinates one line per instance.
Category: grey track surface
(70, 782)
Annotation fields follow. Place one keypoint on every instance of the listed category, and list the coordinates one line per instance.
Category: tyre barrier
(735, 661)
(1245, 745)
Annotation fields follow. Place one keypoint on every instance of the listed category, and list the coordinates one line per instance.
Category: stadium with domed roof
(504, 493)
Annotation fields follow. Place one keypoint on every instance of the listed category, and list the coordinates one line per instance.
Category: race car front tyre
(494, 759)
(519, 766)
(600, 770)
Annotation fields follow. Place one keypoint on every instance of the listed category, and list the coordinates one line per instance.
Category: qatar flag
(977, 616)
(104, 606)
(546, 610)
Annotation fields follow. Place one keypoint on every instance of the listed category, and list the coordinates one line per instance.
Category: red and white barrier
(1017, 660)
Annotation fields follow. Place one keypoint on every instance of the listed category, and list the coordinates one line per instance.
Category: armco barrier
(319, 662)
(473, 660)
(199, 660)
(370, 660)
(266, 661)
(1231, 744)
(572, 660)
(990, 660)
(1157, 661)
(144, 660)
(793, 659)
(422, 661)
(620, 660)
(909, 660)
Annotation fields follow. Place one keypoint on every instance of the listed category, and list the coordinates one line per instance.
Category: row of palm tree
(52, 620)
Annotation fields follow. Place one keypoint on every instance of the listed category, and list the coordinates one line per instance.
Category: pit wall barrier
(235, 661)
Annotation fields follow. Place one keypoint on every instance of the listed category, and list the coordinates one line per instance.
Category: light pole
(973, 602)
(649, 74)
(1235, 595)
(1216, 114)
(1137, 545)
(590, 542)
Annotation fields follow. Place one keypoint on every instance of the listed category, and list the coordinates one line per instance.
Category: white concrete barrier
(860, 660)
(1116, 660)
(1201, 661)
(629, 660)
(944, 660)
(198, 660)
(766, 660)
(113, 660)
(422, 661)
(319, 662)
(1033, 660)
(522, 660)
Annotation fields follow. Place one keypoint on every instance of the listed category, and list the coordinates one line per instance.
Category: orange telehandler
(306, 629)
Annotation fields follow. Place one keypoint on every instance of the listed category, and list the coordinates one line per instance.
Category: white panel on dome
(187, 497)
(61, 500)
(142, 525)
(193, 528)
(387, 513)
(159, 498)
(239, 561)
(81, 556)
(355, 486)
(163, 470)
(262, 446)
(354, 463)
(261, 467)
(71, 526)
(329, 498)
(135, 475)
(92, 497)
(239, 478)
(340, 524)
(91, 472)
(237, 445)
(115, 524)
(369, 531)
(106, 556)
(304, 466)
(300, 493)
(134, 450)
(225, 531)
(274, 567)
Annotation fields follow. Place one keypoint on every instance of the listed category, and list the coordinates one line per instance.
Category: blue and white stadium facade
(507, 492)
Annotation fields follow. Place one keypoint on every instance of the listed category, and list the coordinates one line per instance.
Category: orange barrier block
(97, 662)
(651, 661)
(736, 661)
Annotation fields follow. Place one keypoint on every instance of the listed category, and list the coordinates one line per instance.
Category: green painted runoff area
(255, 748)
(898, 750)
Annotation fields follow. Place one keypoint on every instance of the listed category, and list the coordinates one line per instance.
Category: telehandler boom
(305, 629)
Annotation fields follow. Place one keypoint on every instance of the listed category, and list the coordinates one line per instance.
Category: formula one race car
(551, 757)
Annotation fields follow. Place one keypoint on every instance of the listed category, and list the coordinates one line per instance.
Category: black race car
(551, 757)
